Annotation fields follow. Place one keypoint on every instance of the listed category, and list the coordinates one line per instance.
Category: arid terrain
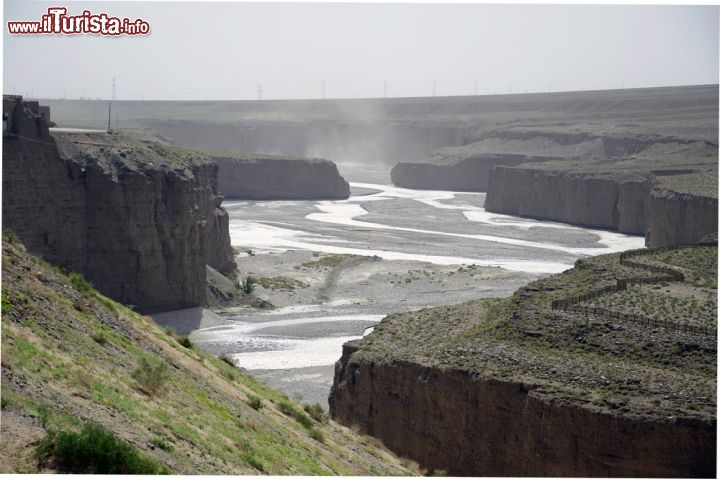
(515, 326)
(597, 377)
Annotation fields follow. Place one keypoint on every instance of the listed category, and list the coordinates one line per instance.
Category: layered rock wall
(680, 218)
(139, 230)
(629, 203)
(466, 425)
(607, 201)
(274, 179)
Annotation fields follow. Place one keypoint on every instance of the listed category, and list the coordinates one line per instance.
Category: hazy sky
(202, 50)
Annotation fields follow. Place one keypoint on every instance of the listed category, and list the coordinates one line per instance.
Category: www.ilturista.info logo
(57, 22)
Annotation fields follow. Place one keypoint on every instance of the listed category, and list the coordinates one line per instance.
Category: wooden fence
(664, 274)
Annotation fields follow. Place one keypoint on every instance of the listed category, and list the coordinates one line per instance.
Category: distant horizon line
(373, 98)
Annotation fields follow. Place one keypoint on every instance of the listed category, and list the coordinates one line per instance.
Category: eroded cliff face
(630, 203)
(609, 201)
(680, 218)
(469, 174)
(467, 167)
(134, 216)
(467, 425)
(601, 177)
(274, 179)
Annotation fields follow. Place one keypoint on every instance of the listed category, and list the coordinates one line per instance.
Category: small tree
(248, 284)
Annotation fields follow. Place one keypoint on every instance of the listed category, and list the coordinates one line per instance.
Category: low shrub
(255, 403)
(318, 435)
(94, 450)
(185, 341)
(162, 443)
(151, 377)
(224, 357)
(316, 412)
(290, 409)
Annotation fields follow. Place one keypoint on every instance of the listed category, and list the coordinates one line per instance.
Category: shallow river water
(294, 347)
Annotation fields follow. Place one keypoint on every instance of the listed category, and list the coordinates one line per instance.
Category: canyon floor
(323, 300)
(334, 269)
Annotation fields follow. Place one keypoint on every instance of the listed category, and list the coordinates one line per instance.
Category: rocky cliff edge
(542, 385)
(138, 217)
(258, 177)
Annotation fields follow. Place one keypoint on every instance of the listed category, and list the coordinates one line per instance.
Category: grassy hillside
(646, 351)
(84, 377)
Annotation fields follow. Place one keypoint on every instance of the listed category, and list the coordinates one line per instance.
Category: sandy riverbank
(322, 300)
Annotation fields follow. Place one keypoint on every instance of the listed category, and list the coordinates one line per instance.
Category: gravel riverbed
(333, 269)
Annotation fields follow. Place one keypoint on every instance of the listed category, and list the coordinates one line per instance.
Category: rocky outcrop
(610, 201)
(680, 218)
(469, 174)
(467, 425)
(137, 217)
(274, 179)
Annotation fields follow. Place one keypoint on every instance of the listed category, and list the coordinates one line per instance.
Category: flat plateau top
(619, 106)
(647, 351)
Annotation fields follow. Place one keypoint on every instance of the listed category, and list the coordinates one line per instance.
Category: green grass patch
(6, 303)
(9, 236)
(318, 435)
(161, 443)
(290, 409)
(80, 283)
(219, 409)
(317, 412)
(94, 450)
(254, 462)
